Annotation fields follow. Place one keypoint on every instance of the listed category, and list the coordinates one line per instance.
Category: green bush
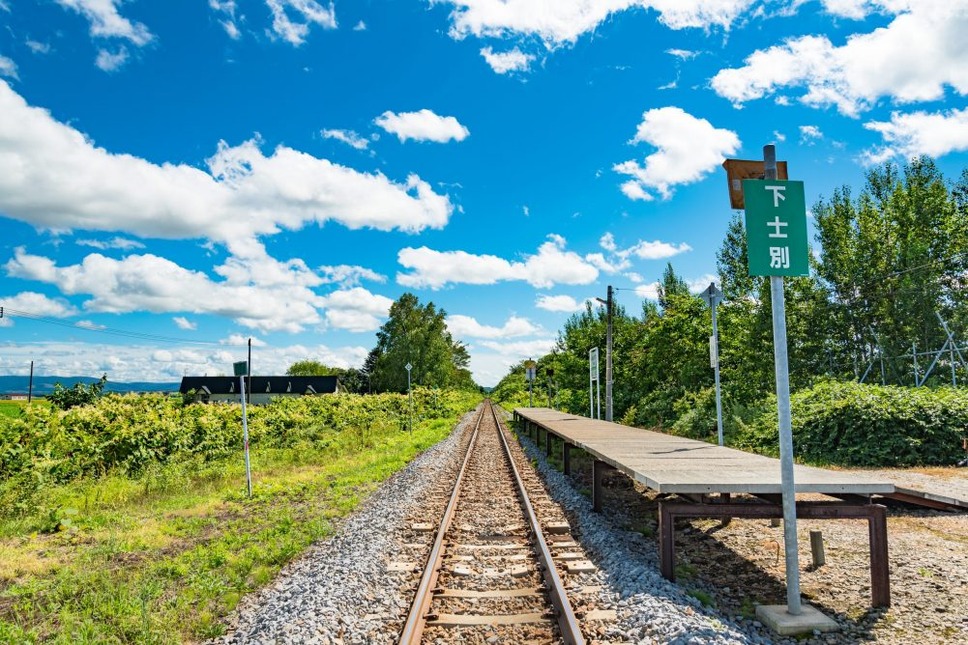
(696, 415)
(133, 433)
(853, 424)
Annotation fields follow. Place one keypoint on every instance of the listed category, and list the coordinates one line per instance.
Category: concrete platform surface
(784, 623)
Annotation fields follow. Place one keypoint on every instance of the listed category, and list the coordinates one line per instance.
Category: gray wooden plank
(670, 464)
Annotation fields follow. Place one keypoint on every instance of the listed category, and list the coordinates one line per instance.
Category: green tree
(892, 260)
(310, 368)
(417, 334)
(732, 263)
(80, 394)
(351, 380)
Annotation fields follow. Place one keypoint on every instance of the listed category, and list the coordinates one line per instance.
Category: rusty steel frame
(875, 514)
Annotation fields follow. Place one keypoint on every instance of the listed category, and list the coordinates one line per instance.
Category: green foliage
(852, 424)
(67, 398)
(309, 368)
(417, 335)
(162, 555)
(888, 260)
(892, 259)
(696, 415)
(351, 380)
(48, 446)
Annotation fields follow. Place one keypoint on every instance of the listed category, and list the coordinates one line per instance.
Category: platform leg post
(566, 457)
(667, 545)
(548, 445)
(598, 471)
(725, 519)
(880, 568)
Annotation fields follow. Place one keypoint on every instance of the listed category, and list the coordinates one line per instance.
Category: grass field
(164, 557)
(11, 408)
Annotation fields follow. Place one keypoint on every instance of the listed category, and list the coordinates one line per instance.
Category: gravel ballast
(344, 589)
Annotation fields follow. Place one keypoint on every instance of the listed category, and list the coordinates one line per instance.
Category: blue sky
(177, 177)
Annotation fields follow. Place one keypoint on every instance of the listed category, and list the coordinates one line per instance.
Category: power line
(7, 311)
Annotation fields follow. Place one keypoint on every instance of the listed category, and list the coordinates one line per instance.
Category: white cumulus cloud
(111, 61)
(687, 149)
(510, 61)
(423, 125)
(52, 176)
(560, 22)
(562, 304)
(356, 309)
(31, 303)
(107, 22)
(8, 68)
(551, 265)
(349, 276)
(184, 323)
(151, 283)
(915, 58)
(292, 19)
(349, 137)
(467, 327)
(921, 133)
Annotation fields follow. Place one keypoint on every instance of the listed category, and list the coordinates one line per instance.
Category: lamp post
(608, 353)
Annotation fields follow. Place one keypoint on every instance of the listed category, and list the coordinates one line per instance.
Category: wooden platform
(695, 469)
(669, 464)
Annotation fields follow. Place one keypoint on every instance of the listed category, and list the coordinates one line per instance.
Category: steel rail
(567, 622)
(413, 628)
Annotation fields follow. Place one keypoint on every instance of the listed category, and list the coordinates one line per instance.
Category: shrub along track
(490, 573)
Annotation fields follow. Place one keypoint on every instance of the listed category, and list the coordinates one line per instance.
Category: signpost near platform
(776, 234)
(245, 430)
(593, 379)
(530, 372)
(409, 367)
(713, 296)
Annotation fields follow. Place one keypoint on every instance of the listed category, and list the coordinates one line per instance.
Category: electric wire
(157, 338)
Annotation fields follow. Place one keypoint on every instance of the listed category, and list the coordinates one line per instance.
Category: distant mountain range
(44, 385)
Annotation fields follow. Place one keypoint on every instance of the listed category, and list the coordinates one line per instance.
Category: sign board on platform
(530, 370)
(241, 368)
(593, 363)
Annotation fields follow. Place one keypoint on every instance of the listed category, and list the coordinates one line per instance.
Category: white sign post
(409, 367)
(245, 436)
(593, 377)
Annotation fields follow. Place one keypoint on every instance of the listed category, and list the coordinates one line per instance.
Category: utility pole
(248, 379)
(608, 352)
(30, 387)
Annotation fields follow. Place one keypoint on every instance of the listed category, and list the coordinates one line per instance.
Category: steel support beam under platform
(875, 514)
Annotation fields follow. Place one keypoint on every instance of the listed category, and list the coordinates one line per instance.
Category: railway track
(491, 575)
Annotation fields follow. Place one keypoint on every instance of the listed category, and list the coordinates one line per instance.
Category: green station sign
(776, 227)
